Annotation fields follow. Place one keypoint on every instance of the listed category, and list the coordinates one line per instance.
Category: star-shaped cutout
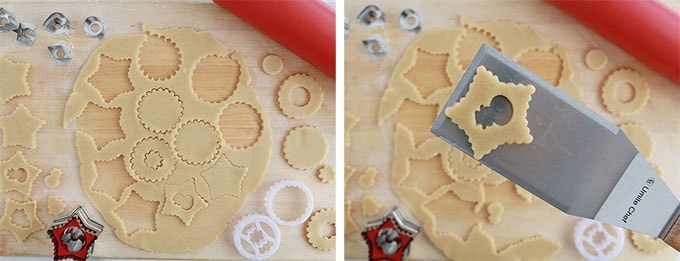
(18, 163)
(183, 201)
(428, 73)
(20, 128)
(224, 178)
(484, 87)
(20, 232)
(389, 237)
(13, 79)
(73, 236)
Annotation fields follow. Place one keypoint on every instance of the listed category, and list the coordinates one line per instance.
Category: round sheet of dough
(175, 168)
(272, 64)
(596, 59)
(304, 147)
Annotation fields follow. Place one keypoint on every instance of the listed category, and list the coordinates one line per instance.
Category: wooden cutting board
(51, 86)
(372, 144)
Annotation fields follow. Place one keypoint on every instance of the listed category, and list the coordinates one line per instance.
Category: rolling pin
(306, 28)
(648, 30)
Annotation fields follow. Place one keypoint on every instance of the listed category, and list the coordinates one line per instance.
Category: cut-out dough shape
(20, 128)
(179, 53)
(428, 73)
(611, 84)
(326, 174)
(272, 64)
(315, 226)
(55, 205)
(350, 225)
(13, 79)
(160, 110)
(152, 160)
(370, 206)
(285, 100)
(367, 180)
(640, 137)
(53, 179)
(18, 163)
(483, 88)
(648, 244)
(495, 212)
(224, 179)
(596, 59)
(115, 81)
(21, 232)
(350, 122)
(304, 147)
(241, 125)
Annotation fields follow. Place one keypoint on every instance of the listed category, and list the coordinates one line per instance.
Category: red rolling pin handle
(648, 30)
(306, 28)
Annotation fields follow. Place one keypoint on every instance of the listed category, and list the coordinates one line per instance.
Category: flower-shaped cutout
(183, 201)
(21, 232)
(20, 128)
(18, 163)
(12, 86)
(224, 179)
(484, 87)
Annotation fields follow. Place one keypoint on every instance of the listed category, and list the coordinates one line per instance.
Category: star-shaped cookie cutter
(73, 236)
(389, 236)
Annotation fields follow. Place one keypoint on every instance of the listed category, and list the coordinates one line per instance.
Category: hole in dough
(498, 112)
(418, 119)
(470, 42)
(112, 177)
(436, 177)
(137, 214)
(159, 58)
(241, 125)
(215, 78)
(100, 123)
(20, 218)
(183, 201)
(17, 174)
(545, 64)
(300, 96)
(111, 78)
(429, 72)
(625, 92)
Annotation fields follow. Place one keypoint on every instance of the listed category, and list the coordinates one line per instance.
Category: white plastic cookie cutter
(591, 235)
(274, 189)
(260, 233)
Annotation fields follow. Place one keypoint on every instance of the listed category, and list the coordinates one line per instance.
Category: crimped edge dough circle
(272, 64)
(140, 172)
(617, 78)
(175, 107)
(278, 186)
(307, 139)
(286, 90)
(321, 217)
(257, 219)
(596, 59)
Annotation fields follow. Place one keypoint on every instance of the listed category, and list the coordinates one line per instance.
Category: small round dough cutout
(315, 226)
(596, 59)
(304, 147)
(618, 78)
(285, 99)
(272, 64)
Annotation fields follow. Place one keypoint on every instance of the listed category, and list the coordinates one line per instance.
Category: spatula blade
(577, 159)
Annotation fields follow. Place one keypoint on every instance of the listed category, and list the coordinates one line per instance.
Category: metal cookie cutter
(94, 27)
(73, 236)
(25, 34)
(61, 53)
(346, 26)
(389, 237)
(376, 46)
(7, 21)
(409, 20)
(372, 16)
(57, 23)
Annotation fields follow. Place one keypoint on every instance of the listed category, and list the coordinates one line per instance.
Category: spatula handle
(673, 236)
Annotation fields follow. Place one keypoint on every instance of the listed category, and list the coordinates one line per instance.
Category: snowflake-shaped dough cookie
(484, 87)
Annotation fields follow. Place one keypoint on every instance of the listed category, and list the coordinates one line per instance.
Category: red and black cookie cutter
(389, 237)
(73, 236)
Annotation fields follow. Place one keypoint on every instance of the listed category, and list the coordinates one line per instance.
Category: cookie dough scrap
(370, 206)
(326, 174)
(18, 163)
(169, 166)
(53, 179)
(367, 180)
(312, 87)
(647, 244)
(620, 77)
(272, 64)
(350, 225)
(20, 128)
(55, 205)
(29, 208)
(13, 79)
(350, 121)
(315, 235)
(304, 147)
(484, 87)
(640, 137)
(495, 212)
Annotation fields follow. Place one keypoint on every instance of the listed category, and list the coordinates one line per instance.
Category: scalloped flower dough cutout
(326, 174)
(315, 235)
(614, 81)
(484, 87)
(20, 128)
(14, 79)
(304, 147)
(285, 99)
(173, 158)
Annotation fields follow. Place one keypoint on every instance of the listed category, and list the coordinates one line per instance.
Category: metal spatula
(578, 161)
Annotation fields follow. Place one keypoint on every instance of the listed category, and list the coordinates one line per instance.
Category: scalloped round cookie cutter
(278, 186)
(582, 235)
(242, 234)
